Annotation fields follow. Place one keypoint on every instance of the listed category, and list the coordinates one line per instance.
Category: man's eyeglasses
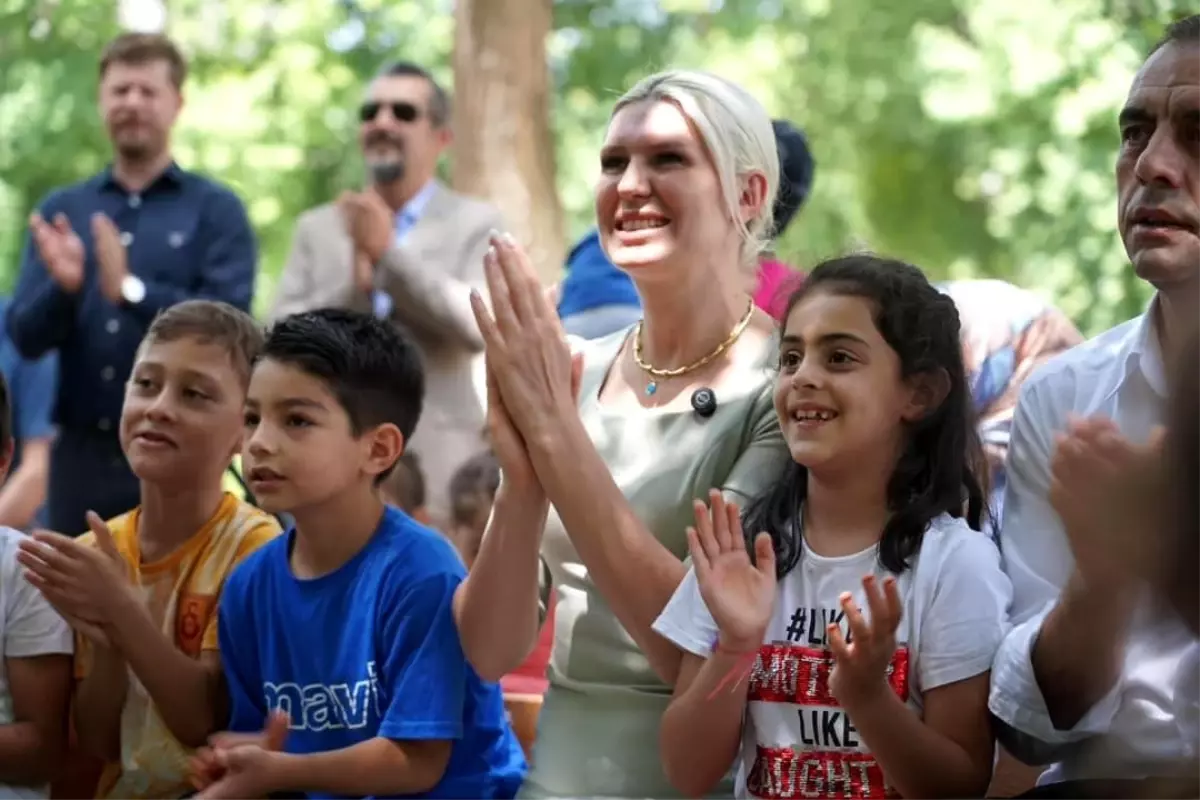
(404, 112)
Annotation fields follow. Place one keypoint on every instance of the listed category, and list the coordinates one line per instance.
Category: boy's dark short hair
(371, 366)
(144, 48)
(211, 322)
(473, 487)
(406, 484)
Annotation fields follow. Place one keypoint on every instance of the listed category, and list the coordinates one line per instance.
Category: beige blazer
(429, 277)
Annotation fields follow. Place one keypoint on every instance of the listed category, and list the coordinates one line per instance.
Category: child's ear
(385, 445)
(928, 391)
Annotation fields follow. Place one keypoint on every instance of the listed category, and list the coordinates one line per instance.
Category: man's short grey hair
(1181, 31)
(439, 100)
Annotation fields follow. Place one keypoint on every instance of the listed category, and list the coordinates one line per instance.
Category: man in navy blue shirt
(105, 255)
(32, 384)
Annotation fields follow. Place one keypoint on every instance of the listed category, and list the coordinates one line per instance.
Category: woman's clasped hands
(529, 364)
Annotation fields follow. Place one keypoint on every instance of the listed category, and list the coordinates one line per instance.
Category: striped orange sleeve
(83, 657)
(82, 660)
(256, 537)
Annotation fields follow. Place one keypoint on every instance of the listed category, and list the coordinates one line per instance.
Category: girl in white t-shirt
(850, 655)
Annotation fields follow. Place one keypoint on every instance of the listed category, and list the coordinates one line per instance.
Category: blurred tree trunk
(504, 145)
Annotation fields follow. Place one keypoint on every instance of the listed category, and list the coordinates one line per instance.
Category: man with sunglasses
(408, 249)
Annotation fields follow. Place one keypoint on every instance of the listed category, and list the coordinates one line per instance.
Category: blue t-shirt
(370, 650)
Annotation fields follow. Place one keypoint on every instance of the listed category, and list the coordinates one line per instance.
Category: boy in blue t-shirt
(344, 624)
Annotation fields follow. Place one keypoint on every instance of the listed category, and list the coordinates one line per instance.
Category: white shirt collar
(1143, 354)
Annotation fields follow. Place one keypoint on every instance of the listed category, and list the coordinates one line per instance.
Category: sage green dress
(599, 726)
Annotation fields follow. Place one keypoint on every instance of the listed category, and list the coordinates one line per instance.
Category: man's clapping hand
(369, 221)
(1103, 487)
(60, 249)
(111, 259)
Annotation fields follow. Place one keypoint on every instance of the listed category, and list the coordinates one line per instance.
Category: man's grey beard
(385, 172)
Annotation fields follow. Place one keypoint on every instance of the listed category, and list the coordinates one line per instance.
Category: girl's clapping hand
(861, 664)
(739, 593)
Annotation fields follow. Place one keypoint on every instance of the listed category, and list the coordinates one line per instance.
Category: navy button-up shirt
(186, 237)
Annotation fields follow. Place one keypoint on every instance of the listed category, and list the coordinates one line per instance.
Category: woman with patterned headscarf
(1007, 333)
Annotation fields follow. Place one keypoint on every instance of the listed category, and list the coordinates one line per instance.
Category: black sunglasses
(404, 112)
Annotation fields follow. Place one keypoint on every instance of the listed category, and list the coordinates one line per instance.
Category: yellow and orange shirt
(181, 592)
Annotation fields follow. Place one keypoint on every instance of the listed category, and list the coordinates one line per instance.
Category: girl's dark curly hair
(942, 470)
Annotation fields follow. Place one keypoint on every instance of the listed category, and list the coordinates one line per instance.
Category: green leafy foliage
(971, 137)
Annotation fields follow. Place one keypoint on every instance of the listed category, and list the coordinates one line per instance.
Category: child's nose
(162, 408)
(807, 373)
(258, 443)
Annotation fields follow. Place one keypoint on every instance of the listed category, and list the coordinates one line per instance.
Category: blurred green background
(971, 137)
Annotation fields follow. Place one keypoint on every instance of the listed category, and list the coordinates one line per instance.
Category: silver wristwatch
(133, 290)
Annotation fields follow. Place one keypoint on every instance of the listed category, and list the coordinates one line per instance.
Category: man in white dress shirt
(1093, 680)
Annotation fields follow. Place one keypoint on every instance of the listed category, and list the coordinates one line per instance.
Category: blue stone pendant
(651, 388)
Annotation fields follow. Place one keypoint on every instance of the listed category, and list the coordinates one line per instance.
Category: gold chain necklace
(656, 373)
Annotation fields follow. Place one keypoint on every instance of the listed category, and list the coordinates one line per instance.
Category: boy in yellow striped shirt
(141, 590)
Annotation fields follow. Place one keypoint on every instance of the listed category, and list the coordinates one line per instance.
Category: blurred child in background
(405, 488)
(472, 490)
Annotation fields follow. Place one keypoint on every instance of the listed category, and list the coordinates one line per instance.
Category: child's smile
(810, 417)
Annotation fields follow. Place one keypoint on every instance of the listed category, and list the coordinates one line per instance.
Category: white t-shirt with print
(28, 627)
(797, 742)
